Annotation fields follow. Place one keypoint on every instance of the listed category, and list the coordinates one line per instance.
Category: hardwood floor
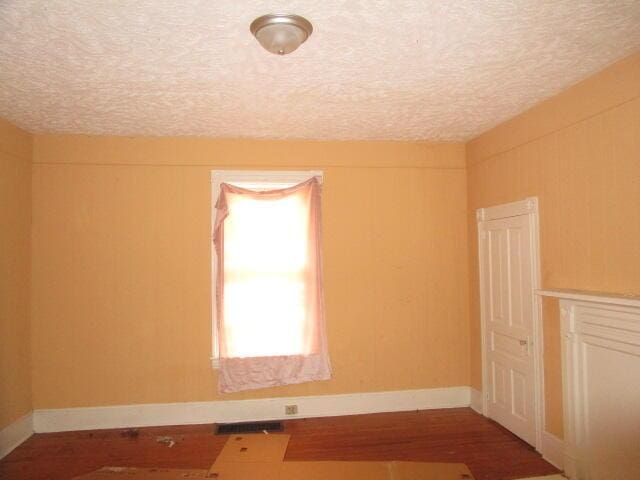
(449, 435)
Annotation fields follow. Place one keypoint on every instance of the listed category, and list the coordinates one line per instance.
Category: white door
(507, 302)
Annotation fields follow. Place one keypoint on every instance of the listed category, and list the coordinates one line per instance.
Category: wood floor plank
(447, 435)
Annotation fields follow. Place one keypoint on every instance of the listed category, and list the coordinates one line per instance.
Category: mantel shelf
(594, 297)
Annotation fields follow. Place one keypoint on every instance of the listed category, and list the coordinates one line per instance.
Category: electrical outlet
(291, 409)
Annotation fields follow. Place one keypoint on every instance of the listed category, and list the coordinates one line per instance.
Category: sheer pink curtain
(270, 305)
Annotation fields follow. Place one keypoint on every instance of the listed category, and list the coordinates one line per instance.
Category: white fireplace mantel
(601, 391)
(593, 297)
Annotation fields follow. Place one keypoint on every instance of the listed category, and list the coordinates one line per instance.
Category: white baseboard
(476, 400)
(147, 415)
(15, 433)
(553, 450)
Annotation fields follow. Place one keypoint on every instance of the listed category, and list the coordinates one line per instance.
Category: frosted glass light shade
(281, 33)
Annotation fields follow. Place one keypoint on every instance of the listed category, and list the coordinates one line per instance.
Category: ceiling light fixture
(281, 33)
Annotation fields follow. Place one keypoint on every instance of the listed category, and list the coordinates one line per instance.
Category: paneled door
(507, 292)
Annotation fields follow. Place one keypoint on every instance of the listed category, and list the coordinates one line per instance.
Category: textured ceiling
(395, 69)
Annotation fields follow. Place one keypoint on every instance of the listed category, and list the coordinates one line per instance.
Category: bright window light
(265, 265)
(268, 295)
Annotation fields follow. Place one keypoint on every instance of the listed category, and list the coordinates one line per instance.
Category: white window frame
(252, 179)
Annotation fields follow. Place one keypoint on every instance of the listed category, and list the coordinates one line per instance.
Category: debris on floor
(261, 456)
(166, 440)
(131, 433)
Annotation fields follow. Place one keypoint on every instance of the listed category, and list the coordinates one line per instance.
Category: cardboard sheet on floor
(249, 457)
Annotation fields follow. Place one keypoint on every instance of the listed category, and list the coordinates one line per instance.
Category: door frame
(528, 207)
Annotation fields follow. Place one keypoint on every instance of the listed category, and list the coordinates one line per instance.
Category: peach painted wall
(15, 224)
(579, 152)
(121, 265)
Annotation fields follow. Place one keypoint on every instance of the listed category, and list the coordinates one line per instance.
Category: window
(266, 272)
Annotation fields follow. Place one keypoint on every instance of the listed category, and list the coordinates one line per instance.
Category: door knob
(522, 342)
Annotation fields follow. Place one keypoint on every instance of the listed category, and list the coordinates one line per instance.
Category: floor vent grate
(250, 427)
